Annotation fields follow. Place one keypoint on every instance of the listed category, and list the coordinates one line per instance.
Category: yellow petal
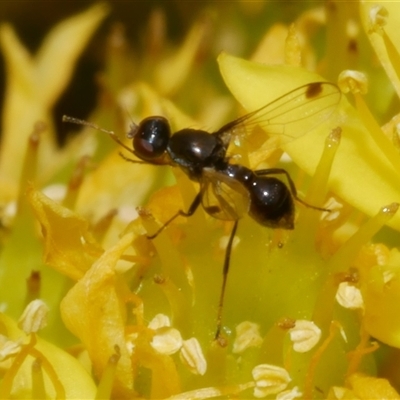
(172, 72)
(69, 247)
(381, 292)
(369, 387)
(34, 84)
(94, 311)
(71, 375)
(361, 174)
(384, 37)
(271, 48)
(56, 59)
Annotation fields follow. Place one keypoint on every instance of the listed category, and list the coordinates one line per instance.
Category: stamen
(269, 379)
(308, 218)
(75, 182)
(289, 394)
(167, 341)
(211, 392)
(247, 335)
(376, 132)
(308, 386)
(378, 16)
(107, 379)
(33, 285)
(343, 257)
(305, 335)
(159, 321)
(348, 296)
(8, 377)
(34, 316)
(198, 394)
(364, 347)
(353, 82)
(192, 356)
(335, 207)
(30, 163)
(38, 387)
(341, 261)
(8, 348)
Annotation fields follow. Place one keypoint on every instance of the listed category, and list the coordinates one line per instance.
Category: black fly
(228, 191)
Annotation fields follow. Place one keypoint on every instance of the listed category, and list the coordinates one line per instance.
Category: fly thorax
(193, 150)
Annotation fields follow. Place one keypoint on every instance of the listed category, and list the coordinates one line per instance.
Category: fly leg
(225, 272)
(276, 171)
(193, 207)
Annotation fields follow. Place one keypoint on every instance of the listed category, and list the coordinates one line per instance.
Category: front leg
(193, 207)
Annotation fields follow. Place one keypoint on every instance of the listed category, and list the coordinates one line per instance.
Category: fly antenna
(77, 121)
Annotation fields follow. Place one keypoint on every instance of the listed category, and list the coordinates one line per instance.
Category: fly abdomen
(271, 203)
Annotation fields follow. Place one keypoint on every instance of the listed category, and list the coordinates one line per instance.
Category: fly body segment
(228, 191)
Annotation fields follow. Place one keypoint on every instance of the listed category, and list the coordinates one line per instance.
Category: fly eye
(151, 137)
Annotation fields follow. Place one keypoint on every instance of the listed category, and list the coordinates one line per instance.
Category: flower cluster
(91, 308)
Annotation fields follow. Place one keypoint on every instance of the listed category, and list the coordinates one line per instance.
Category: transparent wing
(223, 197)
(292, 115)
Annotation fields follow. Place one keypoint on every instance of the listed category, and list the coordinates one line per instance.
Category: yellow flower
(308, 313)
